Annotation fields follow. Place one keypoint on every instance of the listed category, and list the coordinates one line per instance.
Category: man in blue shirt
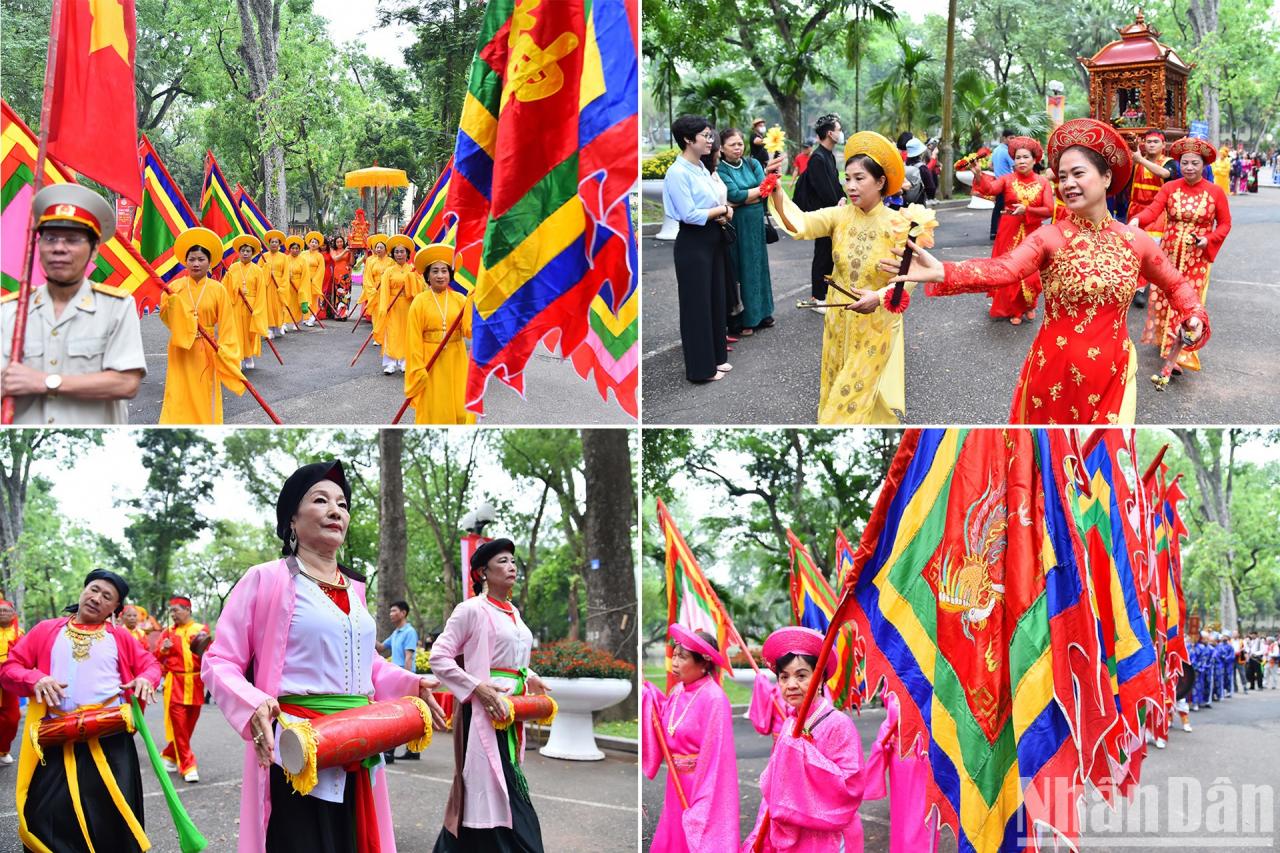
(402, 645)
(1001, 164)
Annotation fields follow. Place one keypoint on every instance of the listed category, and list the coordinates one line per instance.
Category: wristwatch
(52, 382)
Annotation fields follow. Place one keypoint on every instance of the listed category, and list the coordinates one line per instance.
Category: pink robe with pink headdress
(812, 788)
(702, 748)
(763, 711)
(911, 830)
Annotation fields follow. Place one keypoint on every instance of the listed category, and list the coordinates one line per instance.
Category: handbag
(730, 233)
(770, 232)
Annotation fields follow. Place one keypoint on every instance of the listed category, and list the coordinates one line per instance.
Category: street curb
(538, 735)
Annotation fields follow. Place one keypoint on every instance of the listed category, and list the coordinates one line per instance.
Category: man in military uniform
(82, 360)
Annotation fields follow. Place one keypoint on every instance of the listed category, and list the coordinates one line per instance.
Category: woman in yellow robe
(275, 267)
(375, 264)
(1222, 169)
(296, 292)
(246, 287)
(314, 259)
(438, 395)
(196, 373)
(863, 370)
(400, 284)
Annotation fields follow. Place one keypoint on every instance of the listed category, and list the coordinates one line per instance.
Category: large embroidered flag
(428, 224)
(252, 215)
(218, 208)
(1169, 538)
(542, 165)
(813, 605)
(92, 120)
(1111, 528)
(690, 599)
(118, 264)
(966, 562)
(162, 216)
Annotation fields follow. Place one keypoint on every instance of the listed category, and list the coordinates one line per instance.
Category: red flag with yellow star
(93, 125)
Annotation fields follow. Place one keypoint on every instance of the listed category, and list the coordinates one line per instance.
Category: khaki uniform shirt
(98, 330)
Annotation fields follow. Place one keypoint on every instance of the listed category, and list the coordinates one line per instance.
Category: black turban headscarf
(481, 557)
(295, 488)
(121, 585)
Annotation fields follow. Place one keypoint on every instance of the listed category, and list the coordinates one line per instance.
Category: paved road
(582, 806)
(961, 365)
(1238, 742)
(317, 385)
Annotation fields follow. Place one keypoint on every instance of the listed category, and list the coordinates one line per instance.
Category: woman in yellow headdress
(275, 266)
(375, 264)
(400, 284)
(314, 258)
(296, 293)
(863, 373)
(439, 394)
(246, 286)
(196, 373)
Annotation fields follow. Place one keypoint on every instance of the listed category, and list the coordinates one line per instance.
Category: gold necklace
(436, 299)
(82, 641)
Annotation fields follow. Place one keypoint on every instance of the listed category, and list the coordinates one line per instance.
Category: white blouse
(94, 681)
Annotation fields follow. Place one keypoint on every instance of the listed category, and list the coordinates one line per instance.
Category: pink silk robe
(911, 830)
(470, 634)
(763, 710)
(812, 789)
(702, 747)
(253, 629)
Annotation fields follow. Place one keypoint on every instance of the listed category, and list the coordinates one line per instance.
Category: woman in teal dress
(742, 176)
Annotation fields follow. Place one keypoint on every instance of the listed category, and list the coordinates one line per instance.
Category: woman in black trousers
(690, 196)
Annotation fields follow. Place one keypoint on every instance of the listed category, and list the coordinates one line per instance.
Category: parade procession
(500, 251)
(639, 426)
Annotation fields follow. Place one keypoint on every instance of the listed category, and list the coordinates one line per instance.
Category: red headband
(7, 603)
(181, 600)
(1150, 133)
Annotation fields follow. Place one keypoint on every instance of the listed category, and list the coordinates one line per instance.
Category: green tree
(181, 467)
(899, 94)
(717, 98)
(866, 15)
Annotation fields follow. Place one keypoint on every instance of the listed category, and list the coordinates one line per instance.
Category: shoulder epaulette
(109, 290)
(8, 297)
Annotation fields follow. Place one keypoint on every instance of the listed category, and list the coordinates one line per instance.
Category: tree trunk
(393, 540)
(948, 94)
(1216, 485)
(611, 588)
(260, 49)
(573, 608)
(1203, 15)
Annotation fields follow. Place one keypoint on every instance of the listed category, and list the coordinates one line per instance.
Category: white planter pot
(652, 188)
(747, 678)
(572, 737)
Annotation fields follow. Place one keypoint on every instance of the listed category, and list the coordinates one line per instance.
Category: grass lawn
(618, 728)
(738, 694)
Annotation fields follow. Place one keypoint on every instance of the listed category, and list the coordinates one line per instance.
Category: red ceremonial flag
(93, 126)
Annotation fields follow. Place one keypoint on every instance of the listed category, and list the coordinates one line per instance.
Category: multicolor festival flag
(118, 264)
(251, 214)
(813, 604)
(1169, 535)
(612, 350)
(218, 208)
(162, 216)
(428, 224)
(543, 163)
(966, 576)
(690, 599)
(1111, 528)
(92, 118)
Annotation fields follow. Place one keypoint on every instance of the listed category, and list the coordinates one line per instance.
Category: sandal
(766, 323)
(1015, 321)
(746, 333)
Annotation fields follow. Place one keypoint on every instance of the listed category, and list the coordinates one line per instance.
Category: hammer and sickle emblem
(534, 73)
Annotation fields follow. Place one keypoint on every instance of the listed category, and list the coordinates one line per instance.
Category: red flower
(769, 184)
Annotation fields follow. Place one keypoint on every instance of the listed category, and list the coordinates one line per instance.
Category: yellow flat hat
(884, 152)
(202, 237)
(374, 239)
(401, 240)
(246, 240)
(314, 235)
(273, 234)
(435, 253)
(293, 240)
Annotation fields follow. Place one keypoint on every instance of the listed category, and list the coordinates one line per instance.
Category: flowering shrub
(575, 659)
(655, 167)
(422, 661)
(740, 661)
